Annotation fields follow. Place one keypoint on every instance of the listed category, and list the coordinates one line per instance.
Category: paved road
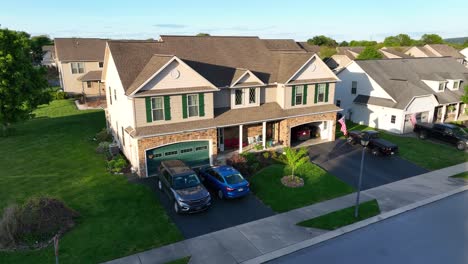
(435, 233)
(344, 160)
(221, 215)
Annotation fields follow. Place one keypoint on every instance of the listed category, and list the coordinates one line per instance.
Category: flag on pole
(343, 126)
(413, 119)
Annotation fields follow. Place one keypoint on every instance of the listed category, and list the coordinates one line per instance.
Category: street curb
(350, 228)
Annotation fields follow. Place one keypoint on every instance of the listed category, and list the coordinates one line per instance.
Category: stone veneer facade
(284, 127)
(153, 142)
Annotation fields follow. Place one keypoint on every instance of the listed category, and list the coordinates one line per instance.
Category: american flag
(343, 126)
(413, 119)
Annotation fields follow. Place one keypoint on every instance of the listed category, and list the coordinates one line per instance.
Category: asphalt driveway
(222, 214)
(344, 160)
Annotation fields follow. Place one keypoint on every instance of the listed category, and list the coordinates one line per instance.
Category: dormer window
(456, 85)
(441, 86)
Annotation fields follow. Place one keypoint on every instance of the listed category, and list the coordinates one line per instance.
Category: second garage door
(193, 153)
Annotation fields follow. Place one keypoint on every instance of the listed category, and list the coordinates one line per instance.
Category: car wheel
(461, 145)
(160, 185)
(176, 208)
(220, 194)
(422, 135)
(375, 152)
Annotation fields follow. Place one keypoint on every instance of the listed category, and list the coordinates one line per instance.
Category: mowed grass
(318, 186)
(54, 155)
(463, 175)
(343, 217)
(425, 153)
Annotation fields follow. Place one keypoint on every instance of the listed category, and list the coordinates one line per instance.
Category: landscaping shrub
(117, 164)
(35, 223)
(249, 157)
(103, 147)
(59, 95)
(103, 136)
(239, 162)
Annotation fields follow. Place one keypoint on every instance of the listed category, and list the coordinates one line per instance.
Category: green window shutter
(316, 94)
(167, 107)
(293, 95)
(304, 98)
(149, 117)
(201, 104)
(184, 106)
(326, 94)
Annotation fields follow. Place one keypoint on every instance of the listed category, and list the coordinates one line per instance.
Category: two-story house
(192, 98)
(388, 93)
(79, 62)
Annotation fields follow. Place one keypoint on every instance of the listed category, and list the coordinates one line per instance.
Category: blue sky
(300, 20)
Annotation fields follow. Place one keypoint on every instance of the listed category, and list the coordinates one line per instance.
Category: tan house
(80, 62)
(435, 50)
(198, 98)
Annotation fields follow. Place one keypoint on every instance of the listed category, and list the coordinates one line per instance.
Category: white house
(385, 93)
(464, 52)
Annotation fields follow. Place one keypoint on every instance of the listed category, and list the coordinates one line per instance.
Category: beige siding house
(436, 50)
(80, 62)
(199, 99)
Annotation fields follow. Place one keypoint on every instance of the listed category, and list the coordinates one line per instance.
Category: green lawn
(424, 153)
(463, 175)
(53, 155)
(318, 186)
(180, 261)
(343, 217)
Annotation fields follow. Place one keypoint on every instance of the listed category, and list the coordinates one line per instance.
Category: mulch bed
(295, 182)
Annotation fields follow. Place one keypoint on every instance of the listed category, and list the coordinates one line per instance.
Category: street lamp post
(364, 142)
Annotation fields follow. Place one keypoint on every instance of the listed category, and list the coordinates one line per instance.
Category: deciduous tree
(322, 41)
(369, 53)
(431, 39)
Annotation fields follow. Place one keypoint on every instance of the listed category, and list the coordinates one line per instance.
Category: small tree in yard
(295, 158)
(23, 87)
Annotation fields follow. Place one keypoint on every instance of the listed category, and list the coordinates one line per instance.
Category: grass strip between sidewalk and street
(463, 175)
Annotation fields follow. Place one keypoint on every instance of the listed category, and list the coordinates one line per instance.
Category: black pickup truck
(445, 132)
(376, 144)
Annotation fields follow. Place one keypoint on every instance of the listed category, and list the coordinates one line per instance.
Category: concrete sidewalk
(252, 240)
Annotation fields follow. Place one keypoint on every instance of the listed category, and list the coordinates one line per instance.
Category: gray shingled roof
(446, 50)
(402, 78)
(372, 100)
(80, 49)
(218, 59)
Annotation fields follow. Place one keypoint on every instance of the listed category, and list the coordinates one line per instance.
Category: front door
(221, 139)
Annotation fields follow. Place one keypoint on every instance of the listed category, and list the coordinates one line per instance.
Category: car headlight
(182, 204)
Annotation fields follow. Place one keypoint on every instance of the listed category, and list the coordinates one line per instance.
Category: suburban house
(464, 52)
(387, 93)
(345, 55)
(435, 50)
(80, 62)
(199, 98)
(48, 57)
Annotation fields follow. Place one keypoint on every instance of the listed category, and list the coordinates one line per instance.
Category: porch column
(457, 111)
(264, 135)
(444, 112)
(241, 128)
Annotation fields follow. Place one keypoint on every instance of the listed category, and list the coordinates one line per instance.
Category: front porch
(450, 113)
(92, 86)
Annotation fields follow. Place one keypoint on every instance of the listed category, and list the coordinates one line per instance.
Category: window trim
(393, 119)
(296, 88)
(254, 90)
(153, 109)
(241, 97)
(443, 84)
(354, 85)
(458, 85)
(197, 106)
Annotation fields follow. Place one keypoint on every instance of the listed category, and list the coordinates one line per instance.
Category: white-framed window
(353, 87)
(157, 108)
(456, 85)
(321, 87)
(299, 95)
(393, 119)
(239, 97)
(192, 104)
(252, 95)
(77, 67)
(441, 86)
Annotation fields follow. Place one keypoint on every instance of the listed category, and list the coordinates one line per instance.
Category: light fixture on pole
(364, 143)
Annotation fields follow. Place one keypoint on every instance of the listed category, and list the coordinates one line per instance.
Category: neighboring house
(345, 55)
(48, 58)
(435, 50)
(80, 62)
(385, 93)
(464, 52)
(197, 98)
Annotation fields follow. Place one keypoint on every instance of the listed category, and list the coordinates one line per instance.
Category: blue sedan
(226, 181)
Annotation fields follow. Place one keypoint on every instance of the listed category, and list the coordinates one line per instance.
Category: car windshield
(460, 132)
(186, 181)
(234, 178)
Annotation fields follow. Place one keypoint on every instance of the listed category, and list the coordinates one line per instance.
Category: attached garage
(311, 133)
(194, 153)
(420, 117)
